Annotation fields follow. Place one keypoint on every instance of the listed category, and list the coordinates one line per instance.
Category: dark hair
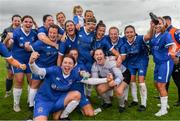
(129, 26)
(71, 57)
(100, 24)
(15, 15)
(91, 20)
(71, 49)
(99, 48)
(68, 22)
(53, 26)
(167, 17)
(45, 17)
(27, 16)
(88, 11)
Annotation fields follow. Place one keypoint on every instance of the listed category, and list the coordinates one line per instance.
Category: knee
(89, 113)
(119, 92)
(99, 89)
(76, 95)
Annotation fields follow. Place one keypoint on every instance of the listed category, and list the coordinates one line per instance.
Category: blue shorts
(163, 71)
(18, 70)
(36, 77)
(44, 107)
(84, 100)
(140, 68)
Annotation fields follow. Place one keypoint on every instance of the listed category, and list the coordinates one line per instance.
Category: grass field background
(7, 113)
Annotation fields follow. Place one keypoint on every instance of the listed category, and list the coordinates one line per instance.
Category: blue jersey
(103, 43)
(117, 46)
(78, 85)
(65, 46)
(55, 83)
(18, 50)
(60, 30)
(42, 29)
(159, 46)
(176, 34)
(135, 53)
(84, 47)
(4, 51)
(48, 54)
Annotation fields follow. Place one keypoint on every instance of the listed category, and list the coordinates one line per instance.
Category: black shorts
(127, 76)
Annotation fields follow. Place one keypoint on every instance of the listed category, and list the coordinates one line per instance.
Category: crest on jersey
(40, 109)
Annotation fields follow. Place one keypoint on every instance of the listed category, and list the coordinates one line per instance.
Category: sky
(113, 12)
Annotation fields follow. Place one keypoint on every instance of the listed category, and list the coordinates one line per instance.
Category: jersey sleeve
(116, 72)
(177, 36)
(60, 31)
(94, 71)
(123, 50)
(168, 40)
(37, 46)
(62, 48)
(51, 70)
(41, 30)
(4, 51)
(75, 20)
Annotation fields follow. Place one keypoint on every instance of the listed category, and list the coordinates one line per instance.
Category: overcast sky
(112, 12)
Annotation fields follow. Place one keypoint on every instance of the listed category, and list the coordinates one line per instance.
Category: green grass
(7, 113)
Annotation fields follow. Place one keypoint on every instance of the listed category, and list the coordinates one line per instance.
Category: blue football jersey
(55, 83)
(159, 47)
(48, 54)
(68, 44)
(18, 50)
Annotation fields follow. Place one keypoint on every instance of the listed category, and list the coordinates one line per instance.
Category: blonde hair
(59, 14)
(113, 27)
(75, 8)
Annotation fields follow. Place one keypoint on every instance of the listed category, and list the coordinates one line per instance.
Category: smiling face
(49, 21)
(160, 26)
(61, 19)
(99, 56)
(16, 22)
(53, 34)
(130, 34)
(114, 35)
(90, 26)
(70, 28)
(27, 24)
(100, 32)
(67, 65)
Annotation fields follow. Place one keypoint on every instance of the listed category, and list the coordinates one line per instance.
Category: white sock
(126, 91)
(32, 94)
(88, 90)
(17, 95)
(69, 108)
(121, 100)
(110, 93)
(134, 91)
(106, 98)
(143, 93)
(164, 102)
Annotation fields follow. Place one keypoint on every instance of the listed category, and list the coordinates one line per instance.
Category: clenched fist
(34, 56)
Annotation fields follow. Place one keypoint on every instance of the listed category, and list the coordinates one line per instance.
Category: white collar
(24, 32)
(86, 31)
(157, 34)
(132, 41)
(65, 76)
(73, 38)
